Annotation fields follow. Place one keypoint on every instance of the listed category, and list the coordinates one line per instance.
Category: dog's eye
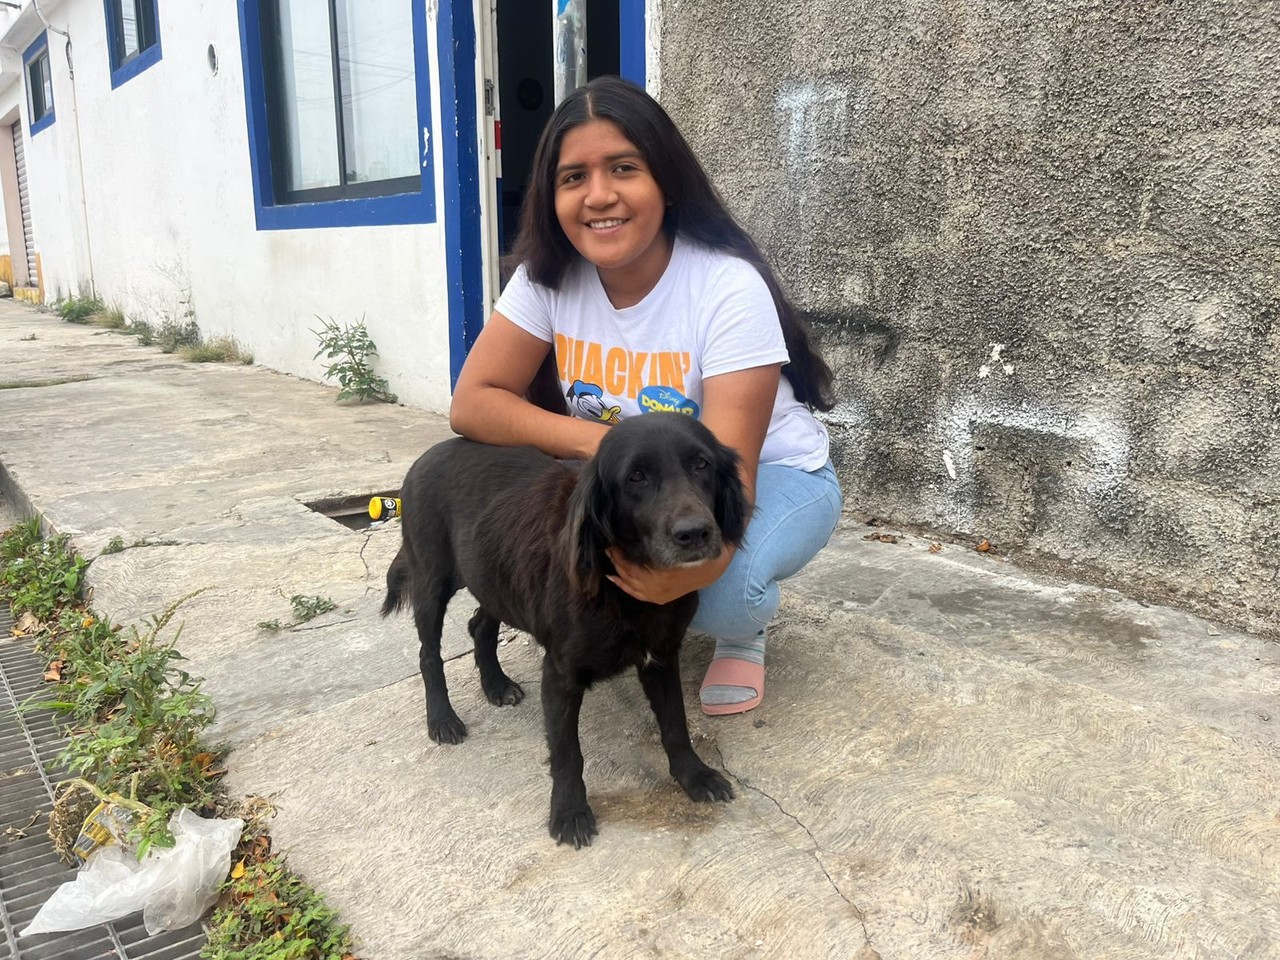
(700, 463)
(637, 476)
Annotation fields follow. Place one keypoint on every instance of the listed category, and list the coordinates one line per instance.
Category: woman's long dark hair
(694, 210)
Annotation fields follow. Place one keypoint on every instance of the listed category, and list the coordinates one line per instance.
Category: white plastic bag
(171, 887)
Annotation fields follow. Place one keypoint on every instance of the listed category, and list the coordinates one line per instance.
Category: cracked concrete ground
(954, 759)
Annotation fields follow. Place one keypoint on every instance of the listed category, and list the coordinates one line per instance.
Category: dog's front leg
(661, 684)
(571, 818)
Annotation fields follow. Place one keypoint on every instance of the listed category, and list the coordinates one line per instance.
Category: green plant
(268, 913)
(308, 608)
(135, 719)
(79, 309)
(145, 333)
(173, 335)
(38, 575)
(115, 545)
(349, 348)
(218, 350)
(304, 608)
(111, 317)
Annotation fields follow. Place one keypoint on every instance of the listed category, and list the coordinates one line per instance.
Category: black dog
(527, 535)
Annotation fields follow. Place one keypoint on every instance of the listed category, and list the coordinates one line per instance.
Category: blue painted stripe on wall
(631, 32)
(456, 38)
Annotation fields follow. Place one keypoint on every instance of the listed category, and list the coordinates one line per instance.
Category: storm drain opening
(30, 869)
(359, 511)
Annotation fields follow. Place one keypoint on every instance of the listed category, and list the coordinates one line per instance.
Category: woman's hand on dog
(654, 585)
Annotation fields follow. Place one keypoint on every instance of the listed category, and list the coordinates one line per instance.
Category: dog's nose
(691, 532)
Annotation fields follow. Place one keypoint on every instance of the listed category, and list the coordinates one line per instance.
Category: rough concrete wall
(1040, 245)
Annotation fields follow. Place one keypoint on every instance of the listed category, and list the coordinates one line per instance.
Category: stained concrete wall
(1040, 244)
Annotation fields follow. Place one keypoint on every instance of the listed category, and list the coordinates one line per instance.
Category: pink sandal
(732, 672)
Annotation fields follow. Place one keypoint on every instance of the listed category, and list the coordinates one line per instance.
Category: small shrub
(173, 335)
(38, 575)
(350, 349)
(79, 309)
(218, 350)
(145, 333)
(115, 546)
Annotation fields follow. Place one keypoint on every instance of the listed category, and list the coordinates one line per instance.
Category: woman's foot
(735, 680)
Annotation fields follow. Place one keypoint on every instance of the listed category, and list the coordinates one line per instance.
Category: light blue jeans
(794, 517)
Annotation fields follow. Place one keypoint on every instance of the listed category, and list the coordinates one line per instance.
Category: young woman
(650, 297)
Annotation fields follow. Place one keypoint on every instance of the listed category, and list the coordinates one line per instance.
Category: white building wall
(169, 208)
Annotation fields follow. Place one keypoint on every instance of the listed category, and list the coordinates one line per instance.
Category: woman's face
(610, 207)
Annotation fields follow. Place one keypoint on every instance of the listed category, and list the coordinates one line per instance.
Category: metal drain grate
(30, 869)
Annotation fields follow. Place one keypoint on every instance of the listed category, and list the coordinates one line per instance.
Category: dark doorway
(526, 88)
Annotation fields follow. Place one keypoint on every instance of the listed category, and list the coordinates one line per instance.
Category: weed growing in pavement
(112, 317)
(79, 309)
(349, 348)
(173, 335)
(135, 719)
(308, 608)
(218, 350)
(304, 608)
(38, 575)
(270, 914)
(145, 333)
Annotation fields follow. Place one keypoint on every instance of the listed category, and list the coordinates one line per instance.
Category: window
(343, 100)
(133, 37)
(338, 103)
(35, 65)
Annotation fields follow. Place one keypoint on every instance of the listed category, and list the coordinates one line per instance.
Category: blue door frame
(464, 252)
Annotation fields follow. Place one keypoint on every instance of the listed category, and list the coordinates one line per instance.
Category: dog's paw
(446, 728)
(504, 693)
(573, 825)
(705, 785)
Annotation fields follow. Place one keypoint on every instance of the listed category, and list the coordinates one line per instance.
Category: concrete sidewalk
(954, 759)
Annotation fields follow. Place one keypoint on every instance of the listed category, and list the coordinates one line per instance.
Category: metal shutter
(24, 201)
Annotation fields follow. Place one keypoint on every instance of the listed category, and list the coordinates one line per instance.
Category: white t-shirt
(710, 313)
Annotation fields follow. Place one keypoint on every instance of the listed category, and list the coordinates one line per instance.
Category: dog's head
(662, 490)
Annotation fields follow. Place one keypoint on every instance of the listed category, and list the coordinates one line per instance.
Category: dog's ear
(731, 499)
(588, 530)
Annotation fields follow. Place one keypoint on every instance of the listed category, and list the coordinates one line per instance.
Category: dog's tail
(397, 584)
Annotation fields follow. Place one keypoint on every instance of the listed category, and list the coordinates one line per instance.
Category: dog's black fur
(527, 535)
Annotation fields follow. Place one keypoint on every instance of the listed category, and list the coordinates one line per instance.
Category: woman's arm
(737, 408)
(489, 404)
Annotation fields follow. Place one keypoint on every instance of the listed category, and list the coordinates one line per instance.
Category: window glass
(310, 124)
(379, 98)
(129, 28)
(40, 83)
(46, 81)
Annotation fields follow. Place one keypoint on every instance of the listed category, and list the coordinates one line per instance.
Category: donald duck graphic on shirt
(586, 400)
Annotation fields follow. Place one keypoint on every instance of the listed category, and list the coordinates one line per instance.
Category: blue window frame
(39, 80)
(133, 37)
(339, 112)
